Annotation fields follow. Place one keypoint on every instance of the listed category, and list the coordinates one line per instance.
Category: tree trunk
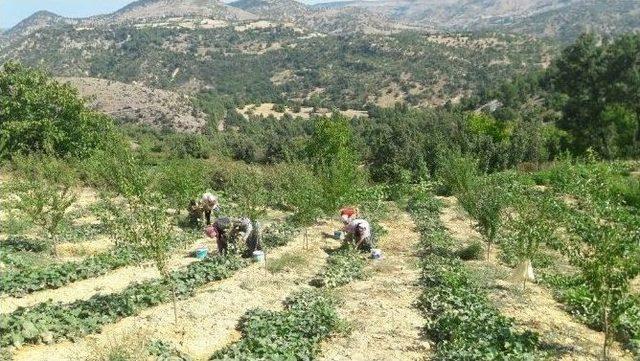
(175, 300)
(605, 348)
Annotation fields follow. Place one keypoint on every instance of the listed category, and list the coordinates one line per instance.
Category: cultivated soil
(208, 320)
(534, 308)
(380, 308)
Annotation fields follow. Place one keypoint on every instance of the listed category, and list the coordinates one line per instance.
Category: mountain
(559, 19)
(283, 10)
(35, 22)
(157, 9)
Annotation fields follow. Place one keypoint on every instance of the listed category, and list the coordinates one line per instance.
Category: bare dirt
(534, 308)
(140, 104)
(386, 325)
(266, 110)
(208, 320)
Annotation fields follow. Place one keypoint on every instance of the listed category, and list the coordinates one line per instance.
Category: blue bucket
(201, 253)
(337, 235)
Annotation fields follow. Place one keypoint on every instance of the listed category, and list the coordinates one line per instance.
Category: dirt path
(386, 324)
(112, 282)
(208, 320)
(535, 308)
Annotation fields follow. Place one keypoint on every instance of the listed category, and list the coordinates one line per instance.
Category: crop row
(309, 316)
(36, 278)
(51, 322)
(294, 333)
(460, 318)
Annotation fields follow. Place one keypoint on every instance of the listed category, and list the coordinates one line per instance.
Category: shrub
(471, 252)
(455, 173)
(38, 114)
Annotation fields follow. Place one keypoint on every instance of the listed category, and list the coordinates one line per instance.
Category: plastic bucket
(376, 253)
(258, 256)
(201, 253)
(337, 234)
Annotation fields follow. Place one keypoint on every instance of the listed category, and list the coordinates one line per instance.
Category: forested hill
(260, 61)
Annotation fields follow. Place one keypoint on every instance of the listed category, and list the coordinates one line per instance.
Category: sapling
(485, 202)
(145, 227)
(608, 258)
(528, 229)
(46, 191)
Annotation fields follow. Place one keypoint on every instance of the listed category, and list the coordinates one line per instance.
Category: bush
(38, 114)
(455, 173)
(471, 252)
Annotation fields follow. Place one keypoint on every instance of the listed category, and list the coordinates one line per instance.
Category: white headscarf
(209, 201)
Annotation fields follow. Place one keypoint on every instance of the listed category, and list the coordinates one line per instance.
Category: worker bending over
(359, 233)
(231, 232)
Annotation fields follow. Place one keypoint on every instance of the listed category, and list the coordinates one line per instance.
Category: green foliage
(38, 278)
(118, 169)
(181, 181)
(45, 190)
(456, 173)
(164, 351)
(38, 114)
(295, 333)
(461, 320)
(334, 160)
(343, 266)
(600, 81)
(608, 256)
(56, 321)
(471, 252)
(484, 124)
(485, 201)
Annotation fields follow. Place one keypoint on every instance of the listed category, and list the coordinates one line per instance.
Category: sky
(13, 11)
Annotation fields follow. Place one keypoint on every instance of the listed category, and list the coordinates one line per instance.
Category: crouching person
(359, 233)
(230, 232)
(250, 234)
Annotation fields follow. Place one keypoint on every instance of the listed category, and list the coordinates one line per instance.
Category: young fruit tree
(526, 231)
(608, 257)
(46, 191)
(146, 228)
(485, 201)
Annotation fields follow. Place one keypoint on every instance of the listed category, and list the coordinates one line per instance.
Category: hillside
(267, 62)
(137, 104)
(156, 9)
(284, 10)
(560, 19)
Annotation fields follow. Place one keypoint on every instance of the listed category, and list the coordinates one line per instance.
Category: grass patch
(288, 261)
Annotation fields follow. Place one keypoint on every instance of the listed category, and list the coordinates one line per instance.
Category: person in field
(209, 203)
(196, 212)
(231, 232)
(359, 233)
(348, 214)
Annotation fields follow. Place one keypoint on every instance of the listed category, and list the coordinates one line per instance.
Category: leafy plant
(461, 320)
(343, 266)
(292, 334)
(46, 191)
(608, 257)
(485, 202)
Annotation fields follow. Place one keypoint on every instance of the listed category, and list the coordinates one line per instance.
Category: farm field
(263, 180)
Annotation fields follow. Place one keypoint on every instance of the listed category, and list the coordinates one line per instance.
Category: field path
(535, 308)
(208, 320)
(386, 325)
